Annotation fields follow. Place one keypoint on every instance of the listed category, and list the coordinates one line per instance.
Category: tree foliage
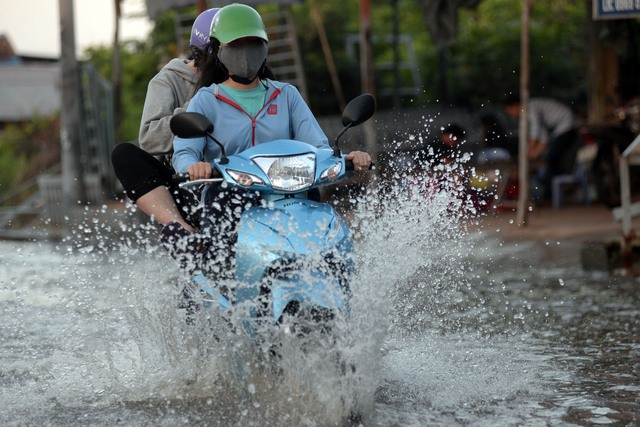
(28, 149)
(140, 60)
(483, 60)
(486, 55)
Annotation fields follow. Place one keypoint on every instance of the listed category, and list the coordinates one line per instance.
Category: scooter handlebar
(216, 174)
(184, 177)
(348, 164)
(180, 177)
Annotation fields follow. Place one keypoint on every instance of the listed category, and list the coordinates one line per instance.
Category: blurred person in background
(553, 136)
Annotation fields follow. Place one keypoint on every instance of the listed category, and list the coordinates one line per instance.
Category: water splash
(118, 345)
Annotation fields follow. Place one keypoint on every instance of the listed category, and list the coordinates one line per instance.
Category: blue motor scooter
(293, 255)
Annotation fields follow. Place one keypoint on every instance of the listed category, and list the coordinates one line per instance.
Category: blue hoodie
(284, 115)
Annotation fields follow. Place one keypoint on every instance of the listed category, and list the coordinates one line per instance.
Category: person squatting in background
(553, 135)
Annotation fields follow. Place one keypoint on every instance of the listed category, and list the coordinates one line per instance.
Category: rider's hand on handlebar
(361, 160)
(200, 170)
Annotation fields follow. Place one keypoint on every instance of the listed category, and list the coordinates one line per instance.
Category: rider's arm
(361, 160)
(199, 170)
(187, 151)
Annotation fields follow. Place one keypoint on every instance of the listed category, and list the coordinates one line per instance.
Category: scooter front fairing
(300, 249)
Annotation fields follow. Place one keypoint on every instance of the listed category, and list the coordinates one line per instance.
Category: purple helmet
(202, 28)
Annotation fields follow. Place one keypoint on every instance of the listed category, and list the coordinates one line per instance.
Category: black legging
(139, 173)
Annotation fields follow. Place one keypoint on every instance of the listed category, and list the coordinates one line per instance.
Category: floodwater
(450, 326)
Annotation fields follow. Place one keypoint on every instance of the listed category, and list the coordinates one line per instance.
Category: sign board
(616, 9)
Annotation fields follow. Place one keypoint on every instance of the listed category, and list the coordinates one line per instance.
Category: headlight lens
(289, 173)
(244, 179)
(331, 172)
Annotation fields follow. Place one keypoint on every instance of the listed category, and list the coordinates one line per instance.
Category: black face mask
(244, 61)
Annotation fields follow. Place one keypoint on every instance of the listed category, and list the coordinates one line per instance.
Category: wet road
(451, 327)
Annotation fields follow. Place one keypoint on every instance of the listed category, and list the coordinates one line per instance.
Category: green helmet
(236, 21)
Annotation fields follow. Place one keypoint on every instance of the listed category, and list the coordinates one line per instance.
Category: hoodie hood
(168, 93)
(182, 69)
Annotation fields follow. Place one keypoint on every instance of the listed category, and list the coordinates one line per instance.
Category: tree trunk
(523, 133)
(72, 173)
(117, 75)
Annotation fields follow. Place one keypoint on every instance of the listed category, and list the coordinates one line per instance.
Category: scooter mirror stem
(223, 157)
(336, 148)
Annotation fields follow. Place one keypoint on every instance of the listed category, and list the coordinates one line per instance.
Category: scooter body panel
(286, 245)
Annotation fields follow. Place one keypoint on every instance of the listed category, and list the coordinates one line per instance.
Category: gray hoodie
(168, 93)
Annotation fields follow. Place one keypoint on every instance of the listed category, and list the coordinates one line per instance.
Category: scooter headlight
(289, 173)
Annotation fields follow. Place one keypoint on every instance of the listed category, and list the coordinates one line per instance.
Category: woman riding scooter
(246, 108)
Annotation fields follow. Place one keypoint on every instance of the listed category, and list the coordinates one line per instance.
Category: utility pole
(116, 73)
(396, 55)
(367, 74)
(523, 131)
(72, 175)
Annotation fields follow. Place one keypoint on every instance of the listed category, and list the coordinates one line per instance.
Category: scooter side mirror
(359, 110)
(190, 125)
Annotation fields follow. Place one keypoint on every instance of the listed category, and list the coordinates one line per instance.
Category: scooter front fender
(289, 230)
